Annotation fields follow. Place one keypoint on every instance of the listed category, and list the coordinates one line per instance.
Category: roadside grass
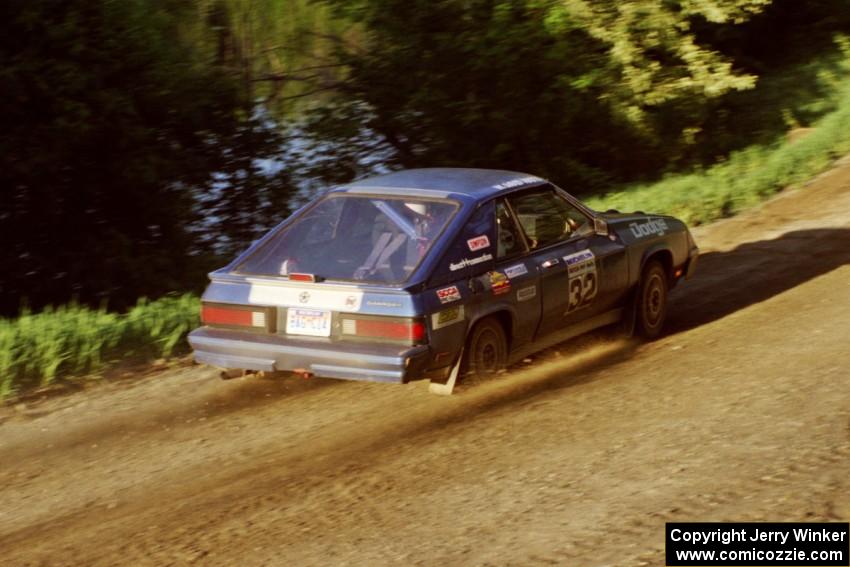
(742, 181)
(72, 340)
(750, 175)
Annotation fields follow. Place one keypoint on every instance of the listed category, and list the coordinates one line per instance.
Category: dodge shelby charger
(435, 274)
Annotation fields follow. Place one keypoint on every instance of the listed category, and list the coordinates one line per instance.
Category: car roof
(474, 184)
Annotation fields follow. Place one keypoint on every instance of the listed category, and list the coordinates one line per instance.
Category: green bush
(36, 349)
(744, 179)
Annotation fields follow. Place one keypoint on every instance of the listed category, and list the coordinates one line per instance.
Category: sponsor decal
(499, 283)
(448, 294)
(478, 243)
(262, 293)
(372, 303)
(466, 262)
(517, 182)
(515, 271)
(655, 226)
(580, 262)
(447, 317)
(526, 293)
(582, 283)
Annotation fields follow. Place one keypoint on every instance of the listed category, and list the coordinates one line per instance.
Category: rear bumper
(372, 362)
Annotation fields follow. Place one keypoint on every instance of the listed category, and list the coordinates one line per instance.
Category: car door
(516, 276)
(486, 269)
(573, 261)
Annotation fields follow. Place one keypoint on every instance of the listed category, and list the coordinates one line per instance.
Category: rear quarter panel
(647, 235)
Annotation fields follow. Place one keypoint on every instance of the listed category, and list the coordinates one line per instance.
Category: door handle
(550, 262)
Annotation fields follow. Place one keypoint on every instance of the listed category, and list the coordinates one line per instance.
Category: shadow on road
(753, 272)
(254, 392)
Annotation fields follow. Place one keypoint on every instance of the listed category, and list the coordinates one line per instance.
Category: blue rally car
(435, 274)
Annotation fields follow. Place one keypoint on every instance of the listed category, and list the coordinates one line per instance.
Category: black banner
(755, 543)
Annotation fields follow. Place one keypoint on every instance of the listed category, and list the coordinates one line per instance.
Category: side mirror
(600, 227)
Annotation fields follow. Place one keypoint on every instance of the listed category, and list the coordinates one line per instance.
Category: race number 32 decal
(583, 282)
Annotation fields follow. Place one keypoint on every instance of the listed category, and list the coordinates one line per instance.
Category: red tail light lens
(387, 328)
(297, 277)
(236, 316)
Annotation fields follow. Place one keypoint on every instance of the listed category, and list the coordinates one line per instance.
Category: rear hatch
(334, 272)
(311, 311)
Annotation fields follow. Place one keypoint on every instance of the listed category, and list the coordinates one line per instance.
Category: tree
(114, 122)
(586, 93)
(651, 56)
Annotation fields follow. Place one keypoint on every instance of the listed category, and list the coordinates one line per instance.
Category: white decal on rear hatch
(334, 299)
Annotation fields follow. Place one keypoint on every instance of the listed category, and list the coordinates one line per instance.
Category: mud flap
(449, 386)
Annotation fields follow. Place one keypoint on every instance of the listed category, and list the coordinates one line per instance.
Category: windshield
(355, 237)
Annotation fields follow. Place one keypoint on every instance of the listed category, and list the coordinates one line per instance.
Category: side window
(508, 238)
(546, 217)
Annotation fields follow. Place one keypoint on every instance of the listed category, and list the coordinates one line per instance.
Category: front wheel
(486, 351)
(651, 301)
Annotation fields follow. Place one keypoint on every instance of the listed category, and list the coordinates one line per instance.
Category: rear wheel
(486, 350)
(651, 300)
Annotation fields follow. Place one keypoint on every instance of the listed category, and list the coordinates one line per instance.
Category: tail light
(410, 331)
(236, 316)
(299, 277)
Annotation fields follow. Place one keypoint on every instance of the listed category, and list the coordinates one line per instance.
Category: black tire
(651, 301)
(486, 351)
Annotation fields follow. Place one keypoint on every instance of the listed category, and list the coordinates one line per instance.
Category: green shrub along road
(741, 181)
(69, 341)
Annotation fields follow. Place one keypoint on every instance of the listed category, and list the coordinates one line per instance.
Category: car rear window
(355, 237)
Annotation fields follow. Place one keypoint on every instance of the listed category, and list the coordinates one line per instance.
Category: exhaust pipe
(231, 373)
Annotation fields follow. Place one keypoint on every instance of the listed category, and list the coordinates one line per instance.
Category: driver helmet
(418, 208)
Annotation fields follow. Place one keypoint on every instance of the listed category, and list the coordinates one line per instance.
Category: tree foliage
(588, 93)
(115, 121)
(651, 56)
(557, 87)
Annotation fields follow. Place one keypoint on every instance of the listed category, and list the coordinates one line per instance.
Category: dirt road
(741, 413)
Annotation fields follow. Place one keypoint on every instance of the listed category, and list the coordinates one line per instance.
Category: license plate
(312, 322)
